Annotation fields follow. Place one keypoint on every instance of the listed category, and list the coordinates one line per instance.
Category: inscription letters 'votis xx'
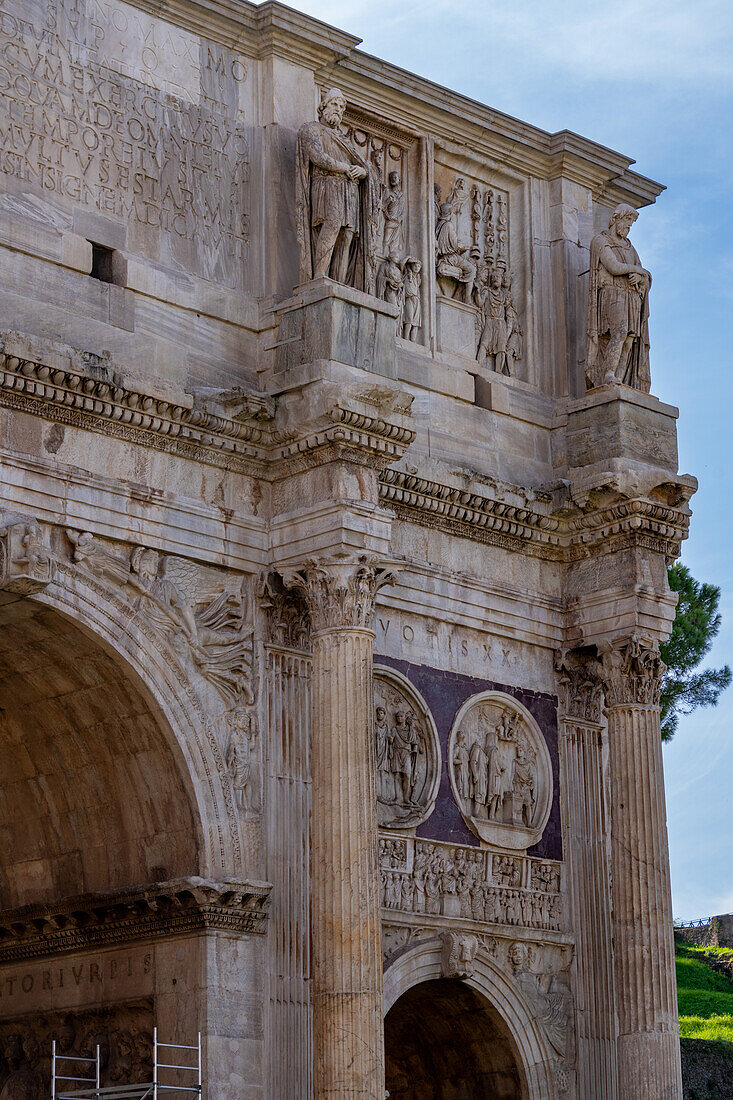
(407, 752)
(618, 307)
(337, 192)
(500, 770)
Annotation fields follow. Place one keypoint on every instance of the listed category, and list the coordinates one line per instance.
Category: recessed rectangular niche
(108, 265)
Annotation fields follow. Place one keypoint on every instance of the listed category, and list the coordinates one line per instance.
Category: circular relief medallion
(500, 770)
(408, 754)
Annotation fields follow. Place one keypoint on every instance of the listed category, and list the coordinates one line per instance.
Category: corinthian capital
(580, 688)
(339, 593)
(632, 672)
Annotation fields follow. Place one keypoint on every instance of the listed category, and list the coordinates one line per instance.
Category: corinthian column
(345, 902)
(585, 817)
(646, 993)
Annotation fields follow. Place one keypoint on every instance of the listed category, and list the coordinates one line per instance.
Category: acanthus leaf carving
(26, 562)
(286, 613)
(580, 688)
(340, 591)
(633, 672)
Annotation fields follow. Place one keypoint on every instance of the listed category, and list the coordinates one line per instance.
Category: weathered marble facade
(334, 518)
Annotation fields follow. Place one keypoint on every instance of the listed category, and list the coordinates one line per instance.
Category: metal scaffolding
(132, 1091)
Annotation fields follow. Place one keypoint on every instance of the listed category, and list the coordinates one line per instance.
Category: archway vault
(513, 1020)
(110, 771)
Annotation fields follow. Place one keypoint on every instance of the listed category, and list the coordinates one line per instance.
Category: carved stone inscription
(500, 771)
(107, 108)
(407, 752)
(124, 1035)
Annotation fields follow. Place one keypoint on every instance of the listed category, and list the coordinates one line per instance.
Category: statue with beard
(337, 195)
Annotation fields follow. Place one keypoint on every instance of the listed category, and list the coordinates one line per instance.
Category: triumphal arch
(335, 511)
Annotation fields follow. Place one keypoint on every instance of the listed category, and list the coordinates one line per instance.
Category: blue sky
(654, 81)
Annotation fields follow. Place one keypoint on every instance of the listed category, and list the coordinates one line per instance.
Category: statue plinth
(327, 320)
(615, 421)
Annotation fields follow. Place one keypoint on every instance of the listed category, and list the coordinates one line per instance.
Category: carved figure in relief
(405, 747)
(411, 311)
(242, 733)
(337, 194)
(523, 785)
(478, 765)
(385, 783)
(618, 307)
(492, 321)
(23, 1081)
(393, 207)
(390, 281)
(515, 336)
(452, 261)
(461, 766)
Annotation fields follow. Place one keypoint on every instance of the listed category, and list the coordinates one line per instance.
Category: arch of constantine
(335, 511)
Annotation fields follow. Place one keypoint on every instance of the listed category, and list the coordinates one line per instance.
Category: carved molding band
(339, 593)
(659, 526)
(160, 910)
(632, 672)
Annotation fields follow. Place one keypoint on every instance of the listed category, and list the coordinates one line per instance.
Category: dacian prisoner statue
(337, 198)
(618, 307)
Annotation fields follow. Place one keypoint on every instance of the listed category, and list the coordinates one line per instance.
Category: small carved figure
(618, 307)
(393, 206)
(239, 757)
(337, 192)
(515, 336)
(523, 785)
(452, 262)
(405, 747)
(411, 311)
(385, 781)
(492, 321)
(390, 280)
(478, 767)
(461, 766)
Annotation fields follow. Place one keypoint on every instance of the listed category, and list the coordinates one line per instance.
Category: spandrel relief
(407, 752)
(500, 771)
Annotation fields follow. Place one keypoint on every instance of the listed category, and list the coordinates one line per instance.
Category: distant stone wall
(718, 932)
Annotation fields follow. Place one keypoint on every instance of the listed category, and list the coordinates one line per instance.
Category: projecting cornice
(414, 104)
(158, 910)
(566, 533)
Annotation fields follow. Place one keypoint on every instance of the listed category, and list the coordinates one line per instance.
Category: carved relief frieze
(431, 878)
(201, 612)
(407, 752)
(500, 769)
(26, 562)
(544, 982)
(124, 1034)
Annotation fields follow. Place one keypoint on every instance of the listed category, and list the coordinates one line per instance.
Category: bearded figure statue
(337, 196)
(618, 308)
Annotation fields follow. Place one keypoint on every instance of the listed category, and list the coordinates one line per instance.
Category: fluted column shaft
(646, 992)
(345, 894)
(585, 831)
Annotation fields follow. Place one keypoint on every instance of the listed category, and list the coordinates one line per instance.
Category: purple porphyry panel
(445, 692)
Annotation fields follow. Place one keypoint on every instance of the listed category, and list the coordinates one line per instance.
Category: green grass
(705, 997)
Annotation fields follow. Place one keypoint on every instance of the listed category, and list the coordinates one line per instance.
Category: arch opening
(92, 798)
(444, 1041)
